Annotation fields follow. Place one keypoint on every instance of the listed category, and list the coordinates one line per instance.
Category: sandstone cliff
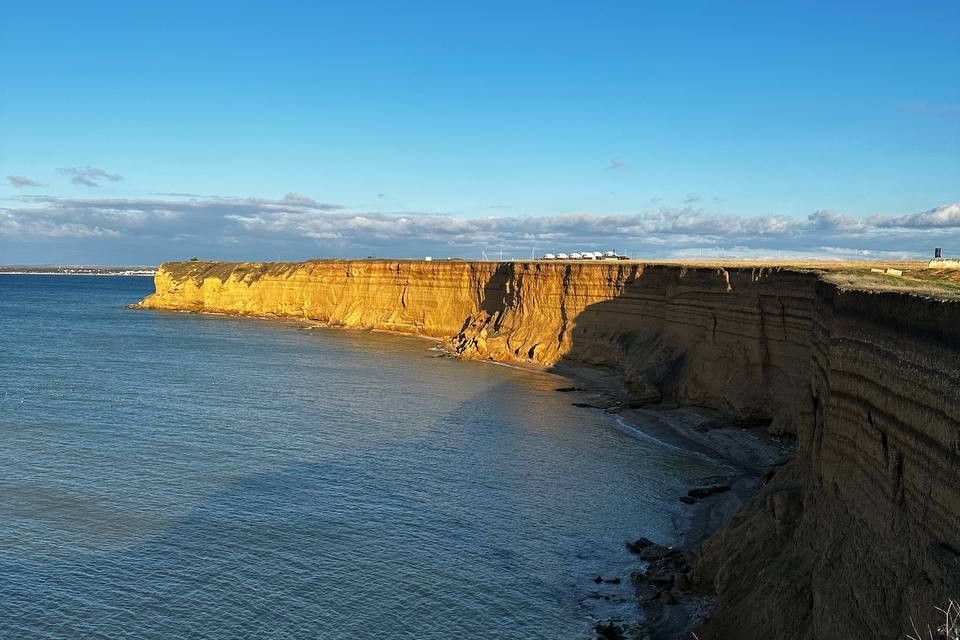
(857, 535)
(862, 532)
(732, 339)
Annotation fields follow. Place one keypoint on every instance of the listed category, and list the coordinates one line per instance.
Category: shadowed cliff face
(857, 535)
(738, 340)
(860, 534)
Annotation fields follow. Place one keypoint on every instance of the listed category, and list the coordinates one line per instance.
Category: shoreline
(60, 273)
(665, 590)
(749, 454)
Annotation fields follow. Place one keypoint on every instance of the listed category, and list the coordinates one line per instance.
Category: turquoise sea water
(167, 475)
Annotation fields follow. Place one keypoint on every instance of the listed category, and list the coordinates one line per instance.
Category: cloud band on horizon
(296, 225)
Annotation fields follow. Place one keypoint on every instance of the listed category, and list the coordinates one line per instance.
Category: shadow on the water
(397, 538)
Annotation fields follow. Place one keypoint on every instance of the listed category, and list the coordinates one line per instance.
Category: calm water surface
(167, 475)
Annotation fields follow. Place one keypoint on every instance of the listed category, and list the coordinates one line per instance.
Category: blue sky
(403, 128)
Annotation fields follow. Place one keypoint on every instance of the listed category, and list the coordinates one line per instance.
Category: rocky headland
(856, 536)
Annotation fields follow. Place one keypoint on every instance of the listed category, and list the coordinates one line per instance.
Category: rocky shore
(666, 587)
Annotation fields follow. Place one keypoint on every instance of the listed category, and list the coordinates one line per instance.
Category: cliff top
(908, 277)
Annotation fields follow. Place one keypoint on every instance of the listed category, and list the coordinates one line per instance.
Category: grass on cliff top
(199, 270)
(933, 283)
(916, 278)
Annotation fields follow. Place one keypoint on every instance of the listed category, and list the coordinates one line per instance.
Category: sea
(169, 475)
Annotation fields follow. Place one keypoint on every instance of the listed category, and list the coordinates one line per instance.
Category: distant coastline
(46, 270)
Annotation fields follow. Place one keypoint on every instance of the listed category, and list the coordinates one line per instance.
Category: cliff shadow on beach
(706, 360)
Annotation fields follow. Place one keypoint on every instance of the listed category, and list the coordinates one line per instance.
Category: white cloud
(827, 221)
(88, 176)
(299, 226)
(941, 217)
(20, 181)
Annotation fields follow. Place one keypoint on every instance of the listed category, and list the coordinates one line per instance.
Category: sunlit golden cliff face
(733, 339)
(857, 535)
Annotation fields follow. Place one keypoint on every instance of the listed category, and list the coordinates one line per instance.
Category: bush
(948, 630)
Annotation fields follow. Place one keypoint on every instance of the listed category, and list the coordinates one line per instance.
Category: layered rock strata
(859, 534)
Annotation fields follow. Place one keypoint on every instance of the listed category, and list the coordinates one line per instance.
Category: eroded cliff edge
(859, 534)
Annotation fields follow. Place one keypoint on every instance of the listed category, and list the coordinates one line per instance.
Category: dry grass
(917, 282)
(915, 277)
(948, 630)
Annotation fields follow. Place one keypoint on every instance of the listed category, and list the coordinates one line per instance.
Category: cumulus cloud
(20, 181)
(302, 200)
(51, 216)
(946, 216)
(827, 221)
(88, 176)
(298, 226)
